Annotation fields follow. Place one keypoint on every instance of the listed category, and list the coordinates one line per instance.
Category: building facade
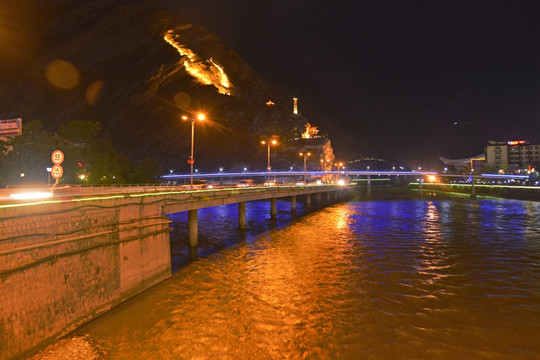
(512, 154)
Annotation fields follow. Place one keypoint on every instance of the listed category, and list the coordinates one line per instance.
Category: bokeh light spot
(62, 74)
(182, 100)
(93, 91)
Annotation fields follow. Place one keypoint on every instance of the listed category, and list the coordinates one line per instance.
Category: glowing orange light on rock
(207, 72)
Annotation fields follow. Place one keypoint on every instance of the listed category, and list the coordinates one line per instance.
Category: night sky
(404, 80)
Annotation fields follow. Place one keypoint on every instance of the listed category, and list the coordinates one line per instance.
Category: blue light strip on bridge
(503, 176)
(297, 173)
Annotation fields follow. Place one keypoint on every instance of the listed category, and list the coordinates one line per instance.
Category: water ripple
(407, 279)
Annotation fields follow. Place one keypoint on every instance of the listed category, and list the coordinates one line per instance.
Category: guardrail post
(273, 208)
(242, 215)
(193, 228)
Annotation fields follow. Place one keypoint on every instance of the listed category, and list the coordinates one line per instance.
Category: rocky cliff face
(136, 67)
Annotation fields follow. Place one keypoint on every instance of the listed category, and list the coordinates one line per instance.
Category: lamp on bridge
(201, 117)
(339, 164)
(269, 142)
(305, 155)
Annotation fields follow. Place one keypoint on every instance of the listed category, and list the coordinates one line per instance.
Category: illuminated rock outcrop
(206, 72)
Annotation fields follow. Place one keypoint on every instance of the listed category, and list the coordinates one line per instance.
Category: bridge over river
(66, 259)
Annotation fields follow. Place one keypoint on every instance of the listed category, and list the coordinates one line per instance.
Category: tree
(27, 156)
(146, 171)
(89, 158)
(80, 133)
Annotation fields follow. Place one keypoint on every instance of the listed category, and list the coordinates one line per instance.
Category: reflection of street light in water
(191, 161)
(305, 155)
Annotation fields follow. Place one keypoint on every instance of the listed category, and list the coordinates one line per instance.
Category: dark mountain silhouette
(127, 65)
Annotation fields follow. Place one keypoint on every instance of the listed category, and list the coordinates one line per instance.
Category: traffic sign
(57, 171)
(57, 157)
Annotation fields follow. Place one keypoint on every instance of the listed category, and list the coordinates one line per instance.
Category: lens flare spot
(93, 91)
(182, 100)
(63, 75)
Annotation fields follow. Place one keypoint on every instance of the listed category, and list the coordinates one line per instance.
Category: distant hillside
(136, 67)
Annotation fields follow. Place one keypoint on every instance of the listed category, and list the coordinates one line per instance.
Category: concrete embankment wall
(62, 264)
(511, 192)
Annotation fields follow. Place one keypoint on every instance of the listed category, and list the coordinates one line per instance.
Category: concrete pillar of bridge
(473, 192)
(318, 197)
(273, 208)
(420, 187)
(242, 215)
(293, 203)
(308, 200)
(193, 228)
(368, 194)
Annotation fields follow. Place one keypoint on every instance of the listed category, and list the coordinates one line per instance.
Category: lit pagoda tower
(295, 106)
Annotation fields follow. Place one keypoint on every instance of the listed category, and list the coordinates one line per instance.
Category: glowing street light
(305, 155)
(269, 143)
(191, 161)
(339, 164)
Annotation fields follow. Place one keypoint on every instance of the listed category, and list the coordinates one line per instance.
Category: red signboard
(11, 127)
(57, 171)
(516, 142)
(57, 157)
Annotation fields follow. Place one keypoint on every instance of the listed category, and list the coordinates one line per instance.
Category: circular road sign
(57, 157)
(57, 171)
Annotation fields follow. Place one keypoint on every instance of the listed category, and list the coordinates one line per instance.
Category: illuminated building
(474, 162)
(516, 154)
(311, 132)
(295, 106)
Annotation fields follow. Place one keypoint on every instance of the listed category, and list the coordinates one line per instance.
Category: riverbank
(501, 191)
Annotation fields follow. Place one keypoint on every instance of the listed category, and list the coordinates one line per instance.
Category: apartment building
(516, 154)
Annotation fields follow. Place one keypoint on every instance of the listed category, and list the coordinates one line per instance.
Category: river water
(379, 279)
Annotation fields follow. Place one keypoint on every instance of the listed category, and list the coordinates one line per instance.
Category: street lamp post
(305, 155)
(269, 143)
(339, 164)
(191, 161)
